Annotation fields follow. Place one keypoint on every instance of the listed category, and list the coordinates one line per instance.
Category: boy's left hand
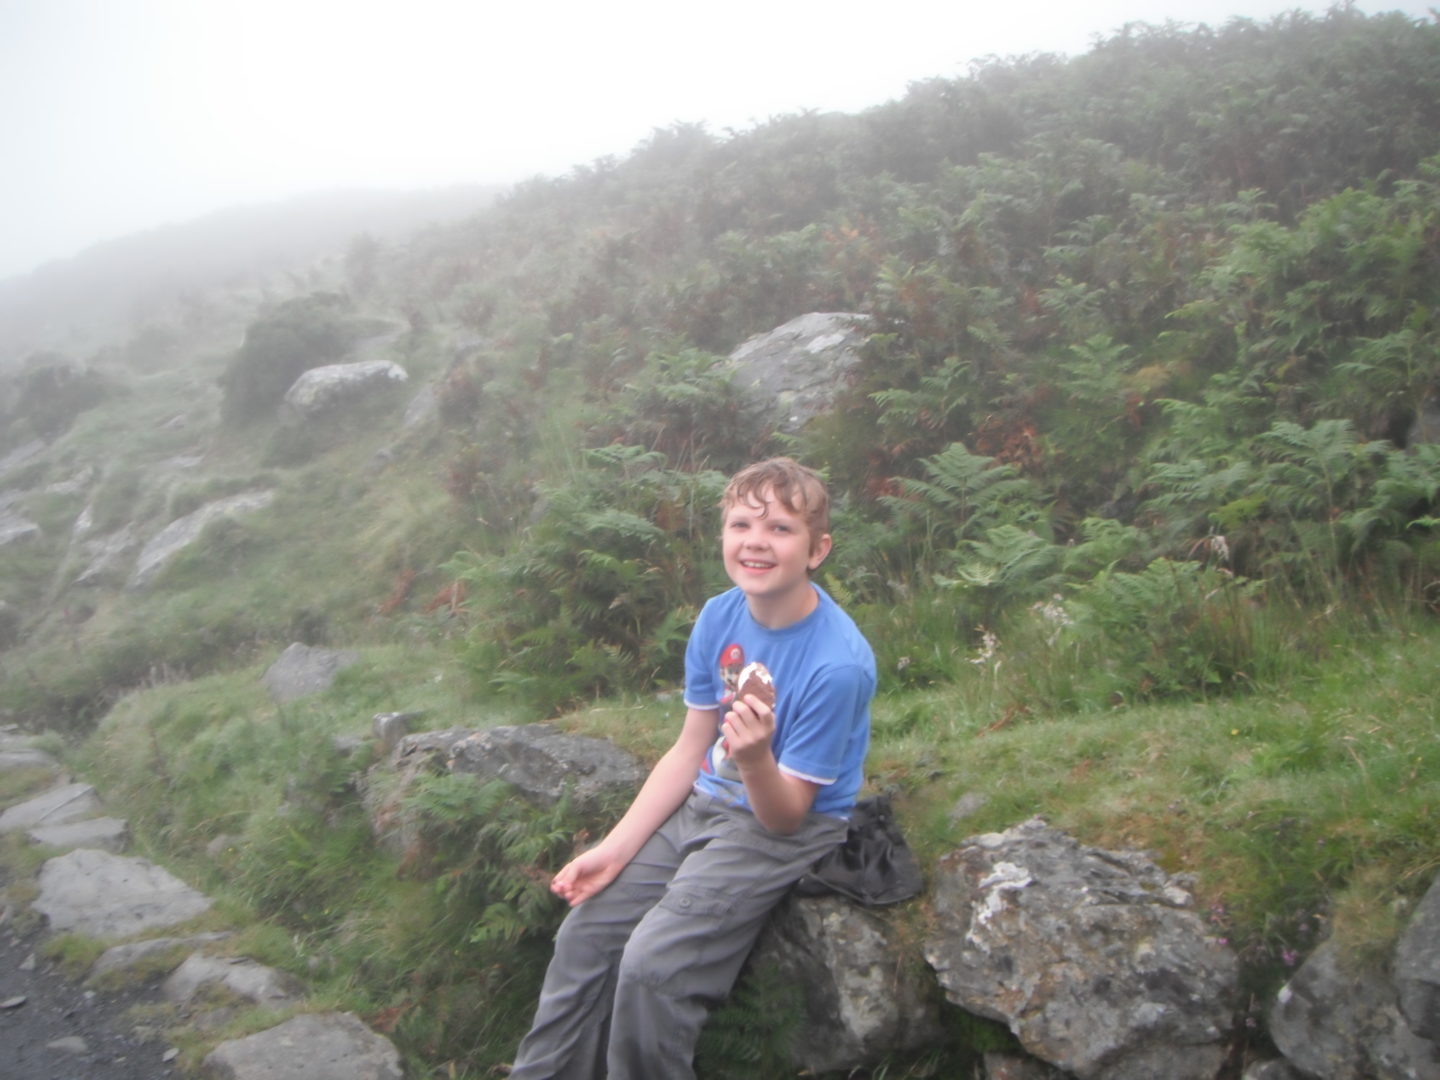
(748, 726)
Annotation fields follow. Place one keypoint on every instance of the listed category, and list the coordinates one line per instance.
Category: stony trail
(62, 1030)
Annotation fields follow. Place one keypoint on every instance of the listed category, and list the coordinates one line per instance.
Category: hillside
(1138, 476)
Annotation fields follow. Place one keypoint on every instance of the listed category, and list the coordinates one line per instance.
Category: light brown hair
(796, 487)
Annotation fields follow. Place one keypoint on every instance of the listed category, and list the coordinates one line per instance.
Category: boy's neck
(778, 612)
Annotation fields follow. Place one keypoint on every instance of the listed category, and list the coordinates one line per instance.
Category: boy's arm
(779, 801)
(662, 793)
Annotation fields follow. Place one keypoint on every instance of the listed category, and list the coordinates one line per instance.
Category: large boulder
(866, 995)
(1338, 1019)
(1094, 959)
(183, 532)
(321, 388)
(302, 670)
(792, 373)
(545, 764)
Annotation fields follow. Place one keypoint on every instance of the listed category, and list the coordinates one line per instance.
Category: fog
(122, 115)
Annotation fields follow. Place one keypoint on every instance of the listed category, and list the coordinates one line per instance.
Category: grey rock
(302, 670)
(972, 802)
(1093, 958)
(386, 785)
(183, 532)
(1338, 1020)
(792, 373)
(865, 995)
(69, 802)
(106, 555)
(544, 764)
(321, 388)
(241, 976)
(102, 833)
(119, 958)
(103, 895)
(69, 1044)
(1417, 966)
(389, 728)
(329, 1046)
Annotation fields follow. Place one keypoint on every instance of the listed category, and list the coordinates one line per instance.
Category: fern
(962, 496)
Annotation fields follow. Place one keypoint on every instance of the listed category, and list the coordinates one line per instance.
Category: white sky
(120, 115)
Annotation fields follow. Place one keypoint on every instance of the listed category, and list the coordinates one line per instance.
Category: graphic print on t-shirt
(718, 762)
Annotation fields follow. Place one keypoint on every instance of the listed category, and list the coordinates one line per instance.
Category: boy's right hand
(586, 875)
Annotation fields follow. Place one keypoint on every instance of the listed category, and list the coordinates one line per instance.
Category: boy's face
(768, 549)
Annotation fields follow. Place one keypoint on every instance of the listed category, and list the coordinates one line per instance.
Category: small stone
(70, 1044)
(28, 964)
(13, 1003)
(170, 1055)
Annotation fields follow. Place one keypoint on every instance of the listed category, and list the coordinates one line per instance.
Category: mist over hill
(79, 303)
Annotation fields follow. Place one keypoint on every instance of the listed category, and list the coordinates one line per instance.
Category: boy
(665, 909)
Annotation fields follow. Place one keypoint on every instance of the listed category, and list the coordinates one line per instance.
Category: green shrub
(597, 596)
(296, 335)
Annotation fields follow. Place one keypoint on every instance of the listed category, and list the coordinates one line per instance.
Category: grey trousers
(637, 967)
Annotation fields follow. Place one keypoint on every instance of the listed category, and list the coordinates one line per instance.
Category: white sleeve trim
(806, 776)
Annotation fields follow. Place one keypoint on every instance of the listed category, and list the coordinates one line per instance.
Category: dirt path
(57, 1008)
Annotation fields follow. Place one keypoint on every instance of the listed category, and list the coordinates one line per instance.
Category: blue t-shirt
(824, 676)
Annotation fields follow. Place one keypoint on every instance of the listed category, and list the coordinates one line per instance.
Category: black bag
(874, 865)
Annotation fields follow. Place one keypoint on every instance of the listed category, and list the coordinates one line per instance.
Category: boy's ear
(819, 550)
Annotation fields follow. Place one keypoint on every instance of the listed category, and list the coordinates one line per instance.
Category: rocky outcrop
(183, 532)
(1094, 959)
(322, 388)
(302, 670)
(544, 764)
(792, 373)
